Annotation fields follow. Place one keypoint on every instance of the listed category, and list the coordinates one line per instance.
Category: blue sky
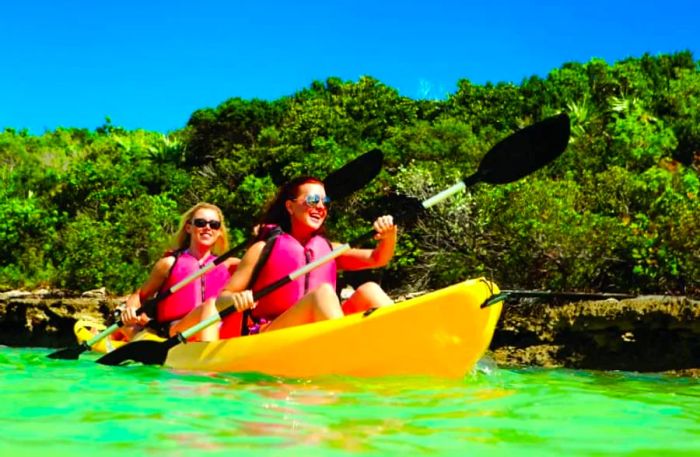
(150, 64)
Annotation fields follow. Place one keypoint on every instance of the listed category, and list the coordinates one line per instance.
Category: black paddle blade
(524, 152)
(354, 175)
(146, 352)
(71, 353)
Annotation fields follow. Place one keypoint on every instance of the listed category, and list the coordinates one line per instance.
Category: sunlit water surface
(59, 408)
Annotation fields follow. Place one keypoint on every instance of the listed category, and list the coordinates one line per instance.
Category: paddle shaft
(437, 198)
(565, 295)
(573, 296)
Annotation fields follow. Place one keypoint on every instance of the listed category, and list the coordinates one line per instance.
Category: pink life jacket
(207, 286)
(286, 256)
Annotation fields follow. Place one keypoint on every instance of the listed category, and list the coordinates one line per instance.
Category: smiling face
(206, 235)
(305, 213)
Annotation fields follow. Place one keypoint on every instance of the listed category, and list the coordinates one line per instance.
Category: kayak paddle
(570, 296)
(518, 155)
(348, 179)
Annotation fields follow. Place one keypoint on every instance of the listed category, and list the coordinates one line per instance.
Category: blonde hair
(182, 238)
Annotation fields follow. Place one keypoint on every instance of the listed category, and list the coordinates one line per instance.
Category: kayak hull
(442, 333)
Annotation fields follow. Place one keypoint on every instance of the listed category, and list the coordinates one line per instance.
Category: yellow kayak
(443, 333)
(84, 330)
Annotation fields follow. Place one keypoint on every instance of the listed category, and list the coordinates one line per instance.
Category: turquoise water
(57, 408)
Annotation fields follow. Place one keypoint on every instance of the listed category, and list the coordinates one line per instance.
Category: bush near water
(619, 211)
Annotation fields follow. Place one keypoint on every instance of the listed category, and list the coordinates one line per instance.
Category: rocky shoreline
(44, 318)
(646, 333)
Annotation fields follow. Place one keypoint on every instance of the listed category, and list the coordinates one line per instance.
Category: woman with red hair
(292, 235)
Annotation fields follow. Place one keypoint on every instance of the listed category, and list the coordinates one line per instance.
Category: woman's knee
(373, 295)
(325, 302)
(369, 288)
(325, 292)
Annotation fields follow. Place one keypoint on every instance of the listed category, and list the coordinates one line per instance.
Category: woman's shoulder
(256, 247)
(166, 262)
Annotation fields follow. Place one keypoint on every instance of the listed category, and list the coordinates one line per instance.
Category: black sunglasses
(201, 223)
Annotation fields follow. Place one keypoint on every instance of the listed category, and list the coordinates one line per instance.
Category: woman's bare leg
(368, 295)
(197, 315)
(318, 305)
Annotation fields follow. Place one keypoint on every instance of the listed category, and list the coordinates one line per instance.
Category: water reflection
(79, 405)
(354, 414)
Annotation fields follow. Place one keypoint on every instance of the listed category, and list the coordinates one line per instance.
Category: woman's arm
(155, 281)
(232, 264)
(360, 259)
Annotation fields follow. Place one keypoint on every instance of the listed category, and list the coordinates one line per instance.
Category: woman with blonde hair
(200, 238)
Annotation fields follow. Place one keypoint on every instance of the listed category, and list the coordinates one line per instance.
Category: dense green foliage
(619, 211)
